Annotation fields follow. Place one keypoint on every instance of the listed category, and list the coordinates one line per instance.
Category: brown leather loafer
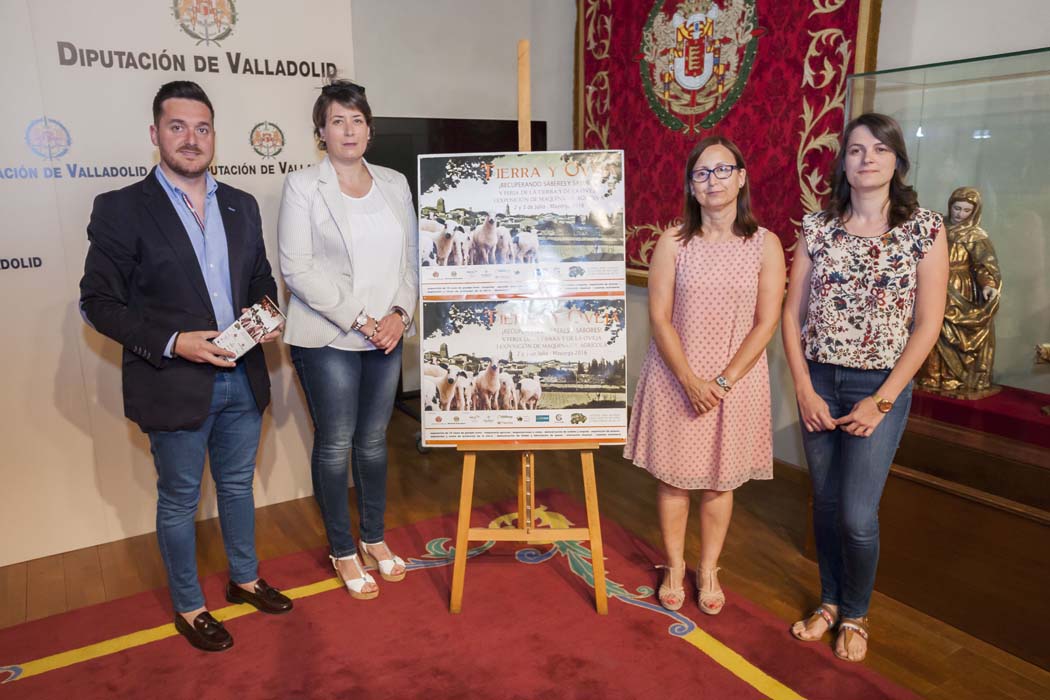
(205, 633)
(265, 597)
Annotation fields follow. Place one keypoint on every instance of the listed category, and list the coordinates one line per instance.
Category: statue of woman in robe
(960, 365)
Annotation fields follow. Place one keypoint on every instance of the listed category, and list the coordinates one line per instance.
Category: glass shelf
(985, 123)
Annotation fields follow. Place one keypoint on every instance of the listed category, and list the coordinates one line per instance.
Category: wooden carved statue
(1042, 356)
(960, 365)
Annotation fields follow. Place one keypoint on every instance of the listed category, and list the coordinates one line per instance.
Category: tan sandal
(671, 598)
(710, 601)
(847, 628)
(824, 612)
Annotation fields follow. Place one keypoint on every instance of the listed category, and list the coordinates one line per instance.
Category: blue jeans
(848, 474)
(230, 437)
(350, 396)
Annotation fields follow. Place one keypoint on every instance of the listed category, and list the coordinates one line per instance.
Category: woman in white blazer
(347, 241)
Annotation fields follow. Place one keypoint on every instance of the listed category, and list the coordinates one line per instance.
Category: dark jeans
(230, 437)
(848, 474)
(350, 396)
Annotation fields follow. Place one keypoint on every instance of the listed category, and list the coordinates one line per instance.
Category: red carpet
(528, 630)
(1012, 413)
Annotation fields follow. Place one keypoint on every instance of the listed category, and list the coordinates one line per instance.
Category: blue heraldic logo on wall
(267, 139)
(48, 138)
(207, 21)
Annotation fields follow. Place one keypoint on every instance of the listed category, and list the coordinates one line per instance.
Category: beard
(177, 165)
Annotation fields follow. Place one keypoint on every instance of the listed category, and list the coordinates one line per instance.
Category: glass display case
(967, 503)
(984, 124)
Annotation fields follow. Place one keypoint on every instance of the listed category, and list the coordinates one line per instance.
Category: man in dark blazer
(172, 260)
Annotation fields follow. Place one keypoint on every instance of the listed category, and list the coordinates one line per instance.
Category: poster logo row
(50, 140)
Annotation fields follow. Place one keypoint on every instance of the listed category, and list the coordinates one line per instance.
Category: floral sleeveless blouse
(862, 290)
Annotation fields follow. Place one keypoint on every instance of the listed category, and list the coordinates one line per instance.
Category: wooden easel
(525, 532)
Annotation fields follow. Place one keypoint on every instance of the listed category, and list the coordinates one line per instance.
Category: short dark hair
(346, 93)
(745, 224)
(903, 199)
(184, 89)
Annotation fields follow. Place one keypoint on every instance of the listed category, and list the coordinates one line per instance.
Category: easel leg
(590, 492)
(522, 522)
(466, 502)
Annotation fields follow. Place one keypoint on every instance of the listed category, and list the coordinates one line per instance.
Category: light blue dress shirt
(209, 243)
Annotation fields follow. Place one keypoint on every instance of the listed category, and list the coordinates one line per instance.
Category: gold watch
(882, 404)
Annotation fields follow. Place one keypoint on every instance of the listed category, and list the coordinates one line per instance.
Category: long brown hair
(903, 199)
(745, 224)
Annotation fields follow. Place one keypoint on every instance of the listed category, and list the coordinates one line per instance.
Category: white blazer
(317, 256)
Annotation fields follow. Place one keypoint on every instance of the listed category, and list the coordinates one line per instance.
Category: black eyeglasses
(722, 172)
(340, 86)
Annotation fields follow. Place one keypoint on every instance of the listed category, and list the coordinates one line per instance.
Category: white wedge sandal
(355, 585)
(385, 566)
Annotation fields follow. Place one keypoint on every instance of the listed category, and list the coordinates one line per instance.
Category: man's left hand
(272, 335)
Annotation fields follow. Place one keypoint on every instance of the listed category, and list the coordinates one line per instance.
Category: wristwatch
(883, 405)
(404, 316)
(723, 383)
(361, 321)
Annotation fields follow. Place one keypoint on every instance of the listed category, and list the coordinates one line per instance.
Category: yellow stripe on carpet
(153, 634)
(739, 666)
(716, 650)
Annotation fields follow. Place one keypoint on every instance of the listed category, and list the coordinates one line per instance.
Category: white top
(317, 255)
(376, 236)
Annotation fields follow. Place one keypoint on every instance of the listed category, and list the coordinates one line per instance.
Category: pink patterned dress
(716, 290)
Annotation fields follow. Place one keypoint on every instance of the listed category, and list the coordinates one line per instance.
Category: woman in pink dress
(701, 416)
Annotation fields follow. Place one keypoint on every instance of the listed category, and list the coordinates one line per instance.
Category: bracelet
(374, 332)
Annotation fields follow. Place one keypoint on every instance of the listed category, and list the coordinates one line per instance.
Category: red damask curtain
(656, 76)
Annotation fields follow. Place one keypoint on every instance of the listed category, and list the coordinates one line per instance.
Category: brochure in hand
(249, 329)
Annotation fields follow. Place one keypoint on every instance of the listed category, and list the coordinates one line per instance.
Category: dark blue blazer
(142, 283)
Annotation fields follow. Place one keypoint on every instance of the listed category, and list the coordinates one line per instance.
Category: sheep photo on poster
(521, 208)
(524, 354)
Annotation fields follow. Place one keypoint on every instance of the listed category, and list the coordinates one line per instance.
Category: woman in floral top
(864, 307)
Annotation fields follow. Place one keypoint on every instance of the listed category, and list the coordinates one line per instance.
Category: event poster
(522, 289)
